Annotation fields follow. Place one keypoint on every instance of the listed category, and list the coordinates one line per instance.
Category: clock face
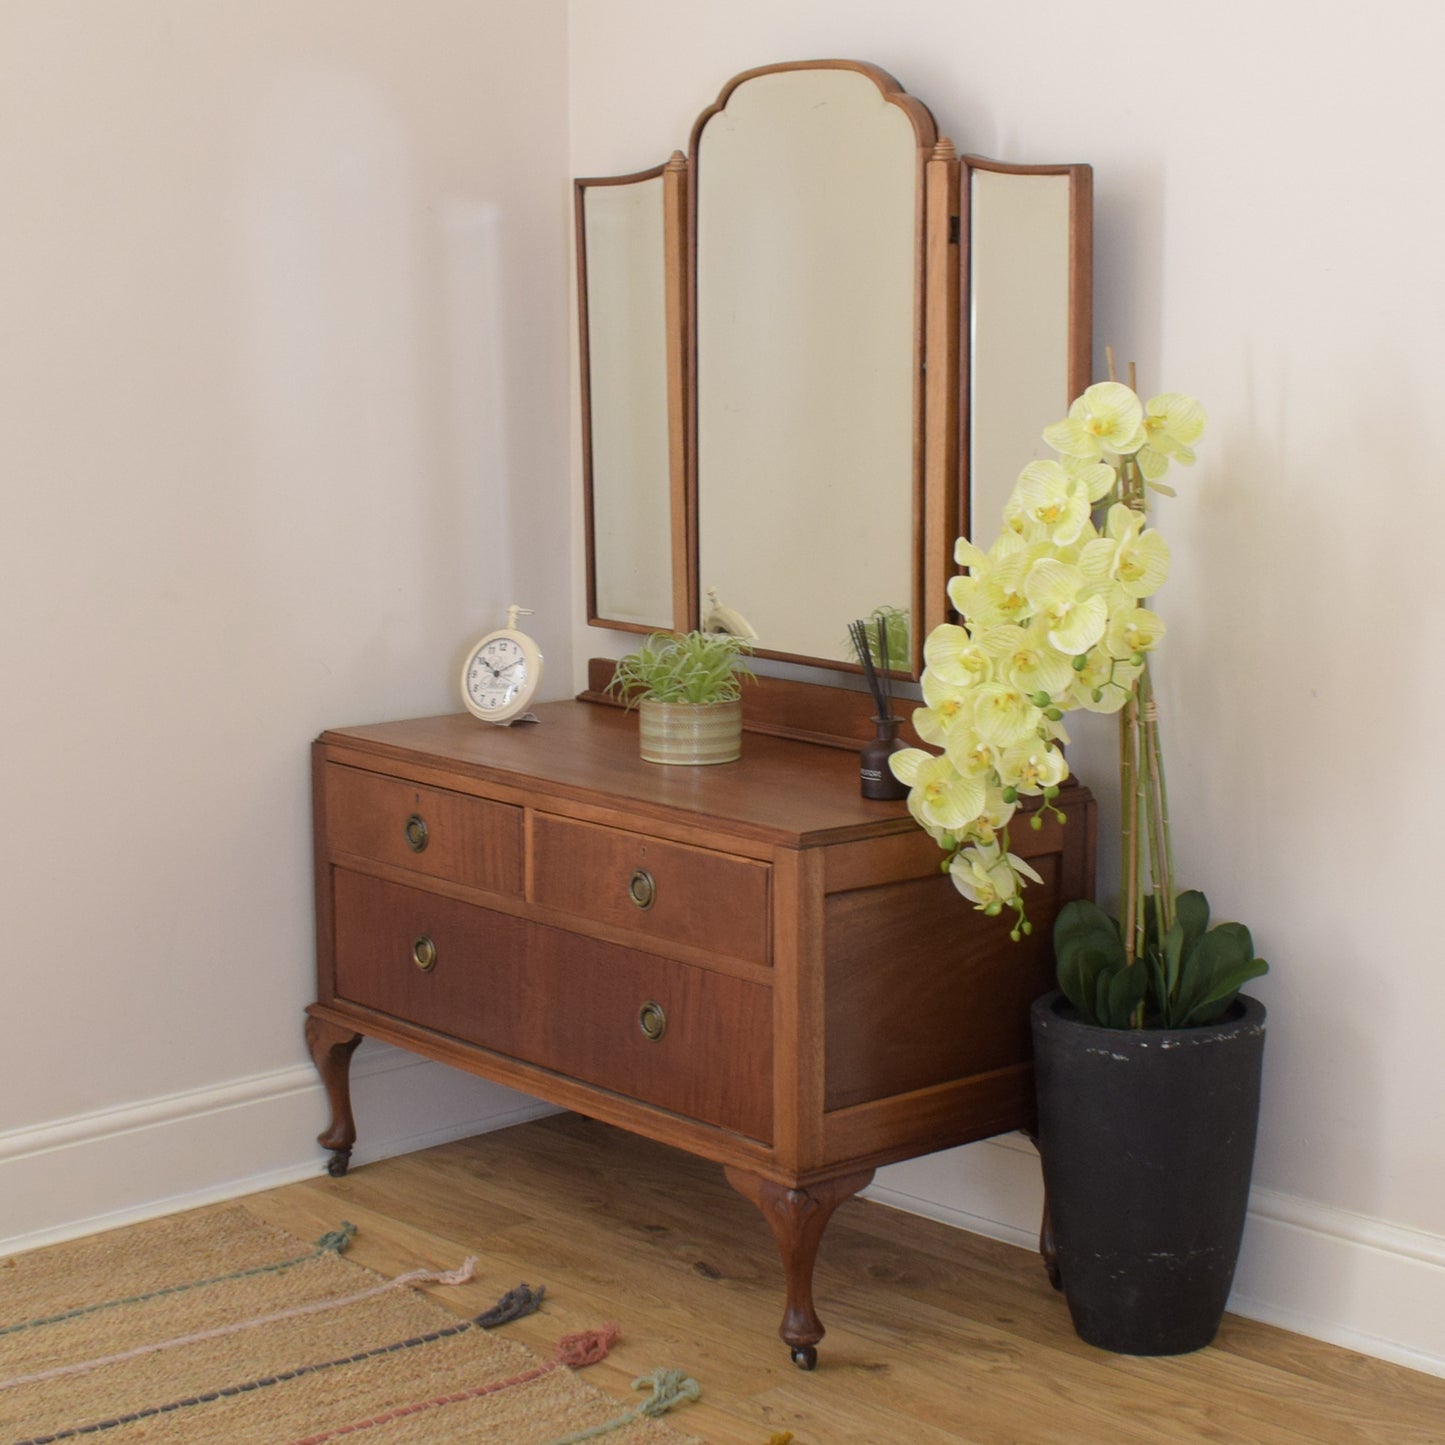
(500, 676)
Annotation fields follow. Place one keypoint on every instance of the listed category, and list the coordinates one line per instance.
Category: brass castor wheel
(805, 1357)
(339, 1163)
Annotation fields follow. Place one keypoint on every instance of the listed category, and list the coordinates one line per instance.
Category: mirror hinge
(953, 230)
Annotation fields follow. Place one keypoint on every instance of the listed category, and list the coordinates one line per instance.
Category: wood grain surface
(935, 1335)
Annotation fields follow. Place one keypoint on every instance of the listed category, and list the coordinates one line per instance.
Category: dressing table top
(781, 791)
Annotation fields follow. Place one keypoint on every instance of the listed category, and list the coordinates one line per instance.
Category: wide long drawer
(667, 1033)
(455, 836)
(670, 892)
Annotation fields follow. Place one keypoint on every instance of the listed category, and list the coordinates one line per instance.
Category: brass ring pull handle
(424, 954)
(417, 836)
(641, 889)
(651, 1020)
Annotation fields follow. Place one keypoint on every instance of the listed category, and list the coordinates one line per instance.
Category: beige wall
(1268, 216)
(283, 374)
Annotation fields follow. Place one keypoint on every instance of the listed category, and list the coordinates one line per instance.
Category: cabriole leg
(331, 1049)
(797, 1218)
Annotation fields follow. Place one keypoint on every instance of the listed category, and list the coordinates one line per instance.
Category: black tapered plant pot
(1147, 1142)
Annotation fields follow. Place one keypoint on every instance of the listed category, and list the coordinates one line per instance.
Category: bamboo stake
(1129, 824)
(1160, 875)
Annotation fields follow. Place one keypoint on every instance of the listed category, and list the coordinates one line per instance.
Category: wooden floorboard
(935, 1336)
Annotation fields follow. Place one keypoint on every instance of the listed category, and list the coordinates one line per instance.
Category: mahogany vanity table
(805, 346)
(749, 961)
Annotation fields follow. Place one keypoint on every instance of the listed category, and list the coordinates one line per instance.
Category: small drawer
(448, 835)
(665, 891)
(684, 1038)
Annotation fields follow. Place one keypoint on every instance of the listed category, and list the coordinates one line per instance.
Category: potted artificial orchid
(1148, 1059)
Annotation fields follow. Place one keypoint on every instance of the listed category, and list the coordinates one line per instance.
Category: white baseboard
(1352, 1280)
(1346, 1278)
(97, 1171)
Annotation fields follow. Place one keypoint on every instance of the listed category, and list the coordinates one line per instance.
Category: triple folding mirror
(812, 348)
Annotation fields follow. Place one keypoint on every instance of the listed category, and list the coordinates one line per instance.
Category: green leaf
(1124, 994)
(1173, 955)
(1084, 925)
(1080, 980)
(1191, 909)
(1100, 1012)
(1158, 985)
(1222, 993)
(1223, 949)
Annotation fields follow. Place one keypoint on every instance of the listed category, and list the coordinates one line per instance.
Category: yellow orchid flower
(1051, 503)
(956, 660)
(994, 593)
(1107, 416)
(971, 755)
(946, 839)
(945, 797)
(946, 706)
(1173, 422)
(988, 876)
(1063, 595)
(994, 816)
(1098, 478)
(1025, 657)
(1002, 715)
(1128, 557)
(1133, 630)
(1051, 620)
(1030, 767)
(1142, 562)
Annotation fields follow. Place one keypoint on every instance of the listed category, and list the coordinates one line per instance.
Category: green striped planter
(690, 733)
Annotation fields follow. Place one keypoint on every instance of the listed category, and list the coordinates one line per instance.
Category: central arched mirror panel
(807, 193)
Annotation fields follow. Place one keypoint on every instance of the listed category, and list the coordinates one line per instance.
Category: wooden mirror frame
(940, 499)
(674, 201)
(1078, 362)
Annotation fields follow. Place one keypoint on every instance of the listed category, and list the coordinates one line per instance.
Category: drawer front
(429, 830)
(665, 891)
(560, 1000)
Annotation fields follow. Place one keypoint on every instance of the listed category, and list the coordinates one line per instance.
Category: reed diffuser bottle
(875, 777)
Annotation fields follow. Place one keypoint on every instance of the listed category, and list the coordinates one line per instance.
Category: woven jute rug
(219, 1328)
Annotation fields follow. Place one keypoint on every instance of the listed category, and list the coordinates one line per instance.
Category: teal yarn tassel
(335, 1241)
(669, 1387)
